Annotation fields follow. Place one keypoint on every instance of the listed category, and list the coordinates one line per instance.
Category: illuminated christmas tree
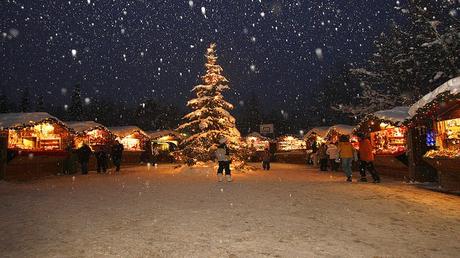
(210, 119)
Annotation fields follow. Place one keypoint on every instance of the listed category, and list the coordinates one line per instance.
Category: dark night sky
(155, 48)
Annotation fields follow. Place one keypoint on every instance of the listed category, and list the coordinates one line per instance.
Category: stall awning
(452, 86)
(123, 131)
(396, 115)
(14, 120)
(85, 126)
(320, 131)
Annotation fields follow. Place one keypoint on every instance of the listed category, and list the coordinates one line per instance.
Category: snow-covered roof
(452, 86)
(320, 131)
(123, 131)
(394, 115)
(84, 126)
(257, 135)
(341, 129)
(159, 134)
(12, 120)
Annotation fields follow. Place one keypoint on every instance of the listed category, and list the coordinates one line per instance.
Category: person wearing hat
(223, 157)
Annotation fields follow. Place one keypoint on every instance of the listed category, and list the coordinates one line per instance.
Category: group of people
(102, 157)
(333, 154)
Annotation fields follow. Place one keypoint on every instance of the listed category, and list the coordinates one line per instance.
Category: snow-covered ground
(291, 211)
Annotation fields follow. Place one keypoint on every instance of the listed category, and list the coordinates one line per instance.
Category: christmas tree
(210, 119)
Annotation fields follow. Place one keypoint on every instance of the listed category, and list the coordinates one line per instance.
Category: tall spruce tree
(210, 119)
(4, 105)
(76, 106)
(40, 103)
(25, 100)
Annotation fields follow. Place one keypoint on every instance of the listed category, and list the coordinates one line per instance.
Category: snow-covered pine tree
(412, 58)
(210, 119)
(76, 106)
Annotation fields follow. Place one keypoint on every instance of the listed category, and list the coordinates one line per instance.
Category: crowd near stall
(388, 136)
(418, 143)
(98, 137)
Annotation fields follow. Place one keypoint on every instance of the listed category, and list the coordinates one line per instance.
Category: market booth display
(334, 132)
(437, 115)
(136, 143)
(164, 143)
(388, 136)
(290, 149)
(258, 144)
(314, 138)
(36, 144)
(95, 135)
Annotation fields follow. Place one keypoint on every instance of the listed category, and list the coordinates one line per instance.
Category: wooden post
(419, 169)
(3, 154)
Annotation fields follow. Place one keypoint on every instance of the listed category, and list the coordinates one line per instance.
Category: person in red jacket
(366, 159)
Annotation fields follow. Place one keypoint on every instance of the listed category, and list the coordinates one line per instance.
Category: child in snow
(266, 159)
(333, 154)
(223, 157)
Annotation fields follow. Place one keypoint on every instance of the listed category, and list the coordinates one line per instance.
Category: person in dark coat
(101, 159)
(266, 156)
(322, 156)
(117, 152)
(84, 153)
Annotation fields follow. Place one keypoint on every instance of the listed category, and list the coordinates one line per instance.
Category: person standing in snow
(101, 160)
(346, 151)
(322, 156)
(333, 154)
(117, 152)
(366, 159)
(266, 156)
(84, 153)
(223, 157)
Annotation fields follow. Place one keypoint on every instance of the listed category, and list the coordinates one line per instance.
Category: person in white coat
(333, 153)
(223, 157)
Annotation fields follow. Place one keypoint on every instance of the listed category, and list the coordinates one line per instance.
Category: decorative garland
(430, 110)
(43, 121)
(371, 117)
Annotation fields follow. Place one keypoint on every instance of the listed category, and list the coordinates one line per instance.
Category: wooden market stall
(388, 136)
(334, 132)
(95, 135)
(258, 144)
(314, 138)
(136, 143)
(291, 149)
(164, 143)
(36, 144)
(437, 116)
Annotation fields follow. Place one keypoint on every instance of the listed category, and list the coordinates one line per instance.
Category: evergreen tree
(251, 117)
(25, 101)
(412, 58)
(76, 106)
(4, 105)
(210, 120)
(40, 105)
